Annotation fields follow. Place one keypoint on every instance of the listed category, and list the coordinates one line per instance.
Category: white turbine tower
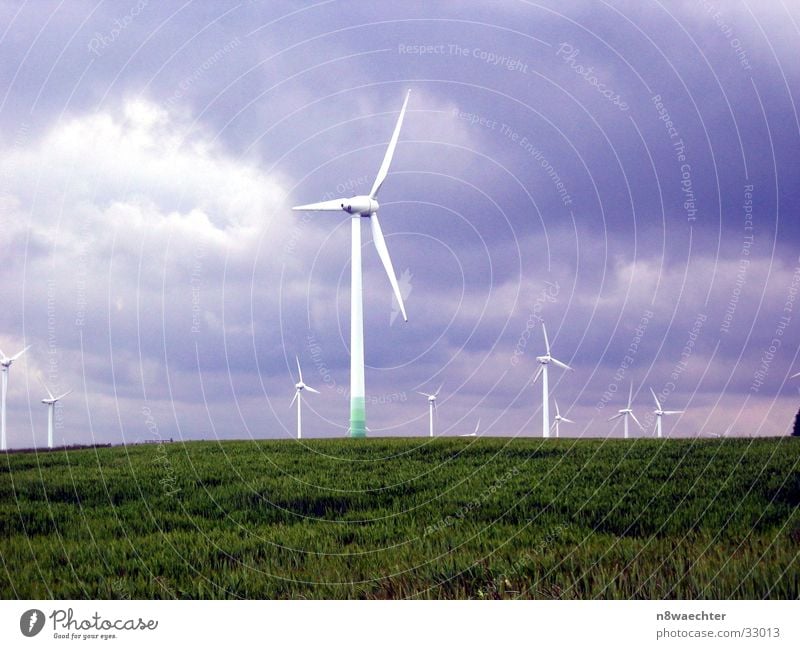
(5, 364)
(431, 405)
(558, 418)
(627, 412)
(659, 412)
(474, 433)
(544, 362)
(51, 402)
(360, 207)
(298, 388)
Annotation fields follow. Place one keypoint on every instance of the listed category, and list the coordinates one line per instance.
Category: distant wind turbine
(725, 434)
(298, 388)
(474, 433)
(431, 405)
(558, 418)
(5, 364)
(659, 412)
(627, 412)
(51, 402)
(361, 207)
(542, 371)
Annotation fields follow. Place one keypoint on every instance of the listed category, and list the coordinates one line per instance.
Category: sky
(625, 172)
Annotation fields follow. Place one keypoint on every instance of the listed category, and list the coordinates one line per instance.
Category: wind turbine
(627, 412)
(725, 434)
(474, 433)
(558, 418)
(659, 412)
(431, 405)
(51, 408)
(298, 388)
(360, 207)
(5, 364)
(544, 362)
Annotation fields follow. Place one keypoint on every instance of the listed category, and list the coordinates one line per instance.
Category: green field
(402, 518)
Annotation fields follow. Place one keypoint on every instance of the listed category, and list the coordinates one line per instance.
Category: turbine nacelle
(363, 205)
(7, 361)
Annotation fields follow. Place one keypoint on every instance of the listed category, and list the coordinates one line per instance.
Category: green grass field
(383, 518)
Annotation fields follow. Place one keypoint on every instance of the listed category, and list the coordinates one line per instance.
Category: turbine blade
(387, 158)
(423, 394)
(438, 390)
(310, 389)
(658, 403)
(673, 412)
(477, 426)
(383, 253)
(299, 371)
(294, 398)
(622, 414)
(61, 396)
(44, 385)
(569, 421)
(546, 341)
(555, 403)
(18, 354)
(538, 374)
(557, 362)
(630, 395)
(793, 376)
(325, 206)
(637, 421)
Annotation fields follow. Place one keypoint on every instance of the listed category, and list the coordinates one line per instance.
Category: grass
(403, 518)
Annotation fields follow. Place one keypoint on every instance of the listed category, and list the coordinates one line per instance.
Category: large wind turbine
(363, 207)
(544, 362)
(50, 402)
(298, 388)
(431, 405)
(558, 418)
(5, 364)
(627, 412)
(659, 412)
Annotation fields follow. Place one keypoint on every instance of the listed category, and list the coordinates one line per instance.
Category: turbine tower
(558, 418)
(627, 412)
(659, 412)
(5, 364)
(431, 405)
(361, 207)
(544, 362)
(298, 388)
(51, 402)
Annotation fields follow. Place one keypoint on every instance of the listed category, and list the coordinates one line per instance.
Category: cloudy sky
(625, 171)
